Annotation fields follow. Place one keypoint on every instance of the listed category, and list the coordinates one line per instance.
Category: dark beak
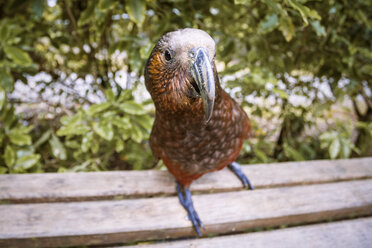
(201, 69)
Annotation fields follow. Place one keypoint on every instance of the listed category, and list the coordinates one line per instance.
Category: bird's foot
(184, 195)
(237, 169)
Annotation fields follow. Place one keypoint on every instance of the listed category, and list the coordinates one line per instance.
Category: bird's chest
(197, 146)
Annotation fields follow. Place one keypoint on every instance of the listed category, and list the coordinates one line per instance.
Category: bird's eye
(167, 55)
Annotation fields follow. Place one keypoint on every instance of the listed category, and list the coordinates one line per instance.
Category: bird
(198, 127)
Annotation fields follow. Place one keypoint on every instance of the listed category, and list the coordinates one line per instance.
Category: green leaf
(363, 17)
(87, 141)
(367, 69)
(292, 153)
(104, 129)
(282, 94)
(106, 4)
(334, 148)
(125, 134)
(43, 138)
(119, 145)
(122, 123)
(37, 8)
(133, 108)
(135, 59)
(9, 156)
(269, 23)
(329, 135)
(8, 117)
(94, 147)
(6, 80)
(136, 10)
(287, 28)
(87, 14)
(26, 162)
(137, 134)
(367, 126)
(110, 96)
(245, 2)
(144, 120)
(145, 51)
(72, 130)
(25, 129)
(125, 95)
(301, 8)
(275, 6)
(345, 150)
(3, 170)
(260, 155)
(72, 144)
(18, 56)
(96, 108)
(24, 152)
(304, 11)
(73, 125)
(4, 32)
(62, 170)
(71, 120)
(2, 98)
(19, 138)
(58, 150)
(82, 167)
(319, 29)
(314, 14)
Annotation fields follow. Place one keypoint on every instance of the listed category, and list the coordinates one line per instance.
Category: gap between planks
(122, 221)
(348, 233)
(63, 187)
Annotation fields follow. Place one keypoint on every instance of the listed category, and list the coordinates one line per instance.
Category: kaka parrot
(198, 127)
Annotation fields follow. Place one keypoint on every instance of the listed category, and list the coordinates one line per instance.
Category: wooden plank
(129, 184)
(105, 222)
(351, 233)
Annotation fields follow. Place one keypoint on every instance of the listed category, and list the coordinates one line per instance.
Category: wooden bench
(322, 204)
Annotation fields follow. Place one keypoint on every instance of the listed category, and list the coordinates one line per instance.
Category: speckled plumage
(180, 136)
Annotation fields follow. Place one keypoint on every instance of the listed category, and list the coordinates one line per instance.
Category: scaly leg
(237, 169)
(184, 195)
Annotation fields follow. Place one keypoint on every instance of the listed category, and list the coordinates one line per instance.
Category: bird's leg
(184, 195)
(237, 169)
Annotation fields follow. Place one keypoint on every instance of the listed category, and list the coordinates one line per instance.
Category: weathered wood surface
(351, 233)
(119, 221)
(130, 184)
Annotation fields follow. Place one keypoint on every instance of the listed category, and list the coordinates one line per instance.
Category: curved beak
(201, 69)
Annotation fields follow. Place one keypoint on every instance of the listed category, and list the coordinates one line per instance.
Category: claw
(184, 195)
(237, 169)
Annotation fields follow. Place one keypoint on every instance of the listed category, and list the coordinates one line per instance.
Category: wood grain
(351, 233)
(130, 184)
(120, 221)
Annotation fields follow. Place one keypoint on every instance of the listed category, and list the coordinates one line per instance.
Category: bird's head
(180, 72)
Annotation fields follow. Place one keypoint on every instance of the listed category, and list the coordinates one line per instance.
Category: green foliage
(136, 10)
(15, 140)
(17, 55)
(95, 134)
(82, 62)
(338, 142)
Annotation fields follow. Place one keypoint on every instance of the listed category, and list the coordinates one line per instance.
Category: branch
(71, 16)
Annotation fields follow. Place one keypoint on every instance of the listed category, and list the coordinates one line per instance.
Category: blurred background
(72, 95)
